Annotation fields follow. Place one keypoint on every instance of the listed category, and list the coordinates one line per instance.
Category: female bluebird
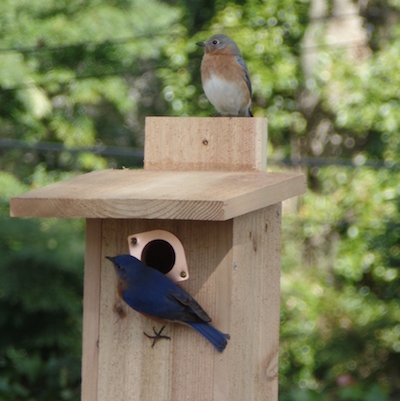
(150, 292)
(225, 78)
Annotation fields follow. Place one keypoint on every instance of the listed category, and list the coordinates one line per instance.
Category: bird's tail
(216, 337)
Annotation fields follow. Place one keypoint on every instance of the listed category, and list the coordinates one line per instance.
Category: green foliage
(73, 68)
(87, 73)
(40, 303)
(341, 309)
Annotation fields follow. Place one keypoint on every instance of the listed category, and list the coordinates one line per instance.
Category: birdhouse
(204, 207)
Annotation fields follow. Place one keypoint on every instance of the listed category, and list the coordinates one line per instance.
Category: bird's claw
(157, 335)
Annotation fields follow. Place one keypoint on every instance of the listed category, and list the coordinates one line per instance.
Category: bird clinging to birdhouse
(149, 292)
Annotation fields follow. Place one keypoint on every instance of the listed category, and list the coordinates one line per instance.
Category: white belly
(224, 95)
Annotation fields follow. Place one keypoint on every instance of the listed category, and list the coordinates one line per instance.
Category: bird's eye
(215, 42)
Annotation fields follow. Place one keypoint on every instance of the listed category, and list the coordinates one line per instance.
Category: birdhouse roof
(187, 195)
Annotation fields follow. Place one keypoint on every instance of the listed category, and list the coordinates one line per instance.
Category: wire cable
(137, 154)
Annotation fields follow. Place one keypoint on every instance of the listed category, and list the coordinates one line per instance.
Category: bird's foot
(157, 336)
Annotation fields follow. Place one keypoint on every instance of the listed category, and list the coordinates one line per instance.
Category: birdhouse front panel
(234, 268)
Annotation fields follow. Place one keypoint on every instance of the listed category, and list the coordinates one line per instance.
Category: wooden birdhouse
(205, 209)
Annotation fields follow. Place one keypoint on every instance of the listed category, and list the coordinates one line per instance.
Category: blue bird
(149, 292)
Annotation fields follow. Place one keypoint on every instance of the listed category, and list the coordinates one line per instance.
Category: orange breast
(224, 66)
(121, 287)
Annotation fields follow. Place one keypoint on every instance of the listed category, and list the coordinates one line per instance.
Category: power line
(313, 48)
(111, 73)
(138, 155)
(327, 162)
(48, 147)
(28, 85)
(121, 41)
(39, 48)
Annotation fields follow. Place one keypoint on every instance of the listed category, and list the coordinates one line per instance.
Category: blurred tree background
(76, 81)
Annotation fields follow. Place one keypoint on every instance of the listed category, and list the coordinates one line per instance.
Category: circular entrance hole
(160, 255)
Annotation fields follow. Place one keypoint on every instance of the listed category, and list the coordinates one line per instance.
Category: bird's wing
(189, 302)
(242, 64)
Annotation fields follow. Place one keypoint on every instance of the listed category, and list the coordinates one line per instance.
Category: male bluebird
(225, 78)
(149, 292)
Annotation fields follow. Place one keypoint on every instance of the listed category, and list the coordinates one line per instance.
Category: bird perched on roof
(149, 292)
(225, 77)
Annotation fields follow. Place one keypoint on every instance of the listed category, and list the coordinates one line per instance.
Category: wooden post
(228, 144)
(203, 181)
(91, 310)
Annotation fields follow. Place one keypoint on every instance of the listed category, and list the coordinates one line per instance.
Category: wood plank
(159, 194)
(205, 143)
(254, 308)
(91, 311)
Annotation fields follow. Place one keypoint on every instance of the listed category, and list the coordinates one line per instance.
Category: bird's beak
(110, 258)
(201, 44)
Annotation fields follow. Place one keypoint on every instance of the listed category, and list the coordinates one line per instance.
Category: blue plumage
(216, 338)
(150, 292)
